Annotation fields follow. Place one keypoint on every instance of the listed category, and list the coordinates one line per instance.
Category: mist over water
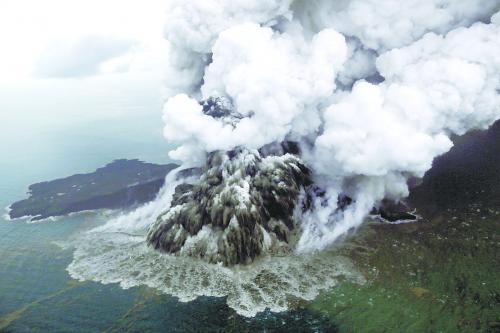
(53, 129)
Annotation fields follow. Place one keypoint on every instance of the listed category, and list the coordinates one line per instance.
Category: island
(120, 184)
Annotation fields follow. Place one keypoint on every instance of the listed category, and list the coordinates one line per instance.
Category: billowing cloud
(383, 25)
(371, 89)
(280, 82)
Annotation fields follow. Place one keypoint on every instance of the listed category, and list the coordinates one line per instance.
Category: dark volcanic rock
(395, 211)
(242, 205)
(222, 109)
(469, 172)
(120, 184)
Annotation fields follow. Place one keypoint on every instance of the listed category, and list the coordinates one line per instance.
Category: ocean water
(37, 291)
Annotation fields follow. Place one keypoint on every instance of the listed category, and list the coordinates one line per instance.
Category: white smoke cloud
(387, 24)
(382, 135)
(377, 87)
(285, 78)
(195, 25)
(192, 27)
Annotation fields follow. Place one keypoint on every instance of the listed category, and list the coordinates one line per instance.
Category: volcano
(243, 204)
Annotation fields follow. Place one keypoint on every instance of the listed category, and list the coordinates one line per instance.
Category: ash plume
(370, 91)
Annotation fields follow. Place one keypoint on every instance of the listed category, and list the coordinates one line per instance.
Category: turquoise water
(36, 292)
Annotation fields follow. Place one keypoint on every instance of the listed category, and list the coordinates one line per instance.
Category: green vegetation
(436, 275)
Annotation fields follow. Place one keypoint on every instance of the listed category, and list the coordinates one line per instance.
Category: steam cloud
(371, 90)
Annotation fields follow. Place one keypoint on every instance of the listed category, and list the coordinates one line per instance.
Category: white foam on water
(6, 215)
(270, 282)
(117, 252)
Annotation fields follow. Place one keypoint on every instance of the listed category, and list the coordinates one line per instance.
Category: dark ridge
(469, 172)
(120, 184)
(221, 108)
(217, 107)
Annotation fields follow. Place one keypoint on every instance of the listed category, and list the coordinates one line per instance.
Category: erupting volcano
(293, 122)
(282, 102)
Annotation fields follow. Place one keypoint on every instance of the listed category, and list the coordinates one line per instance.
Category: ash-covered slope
(119, 184)
(242, 205)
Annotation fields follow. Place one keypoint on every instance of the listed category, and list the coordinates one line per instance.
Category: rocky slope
(242, 205)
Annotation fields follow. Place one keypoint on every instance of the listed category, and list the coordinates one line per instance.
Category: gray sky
(82, 66)
(75, 61)
(57, 36)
